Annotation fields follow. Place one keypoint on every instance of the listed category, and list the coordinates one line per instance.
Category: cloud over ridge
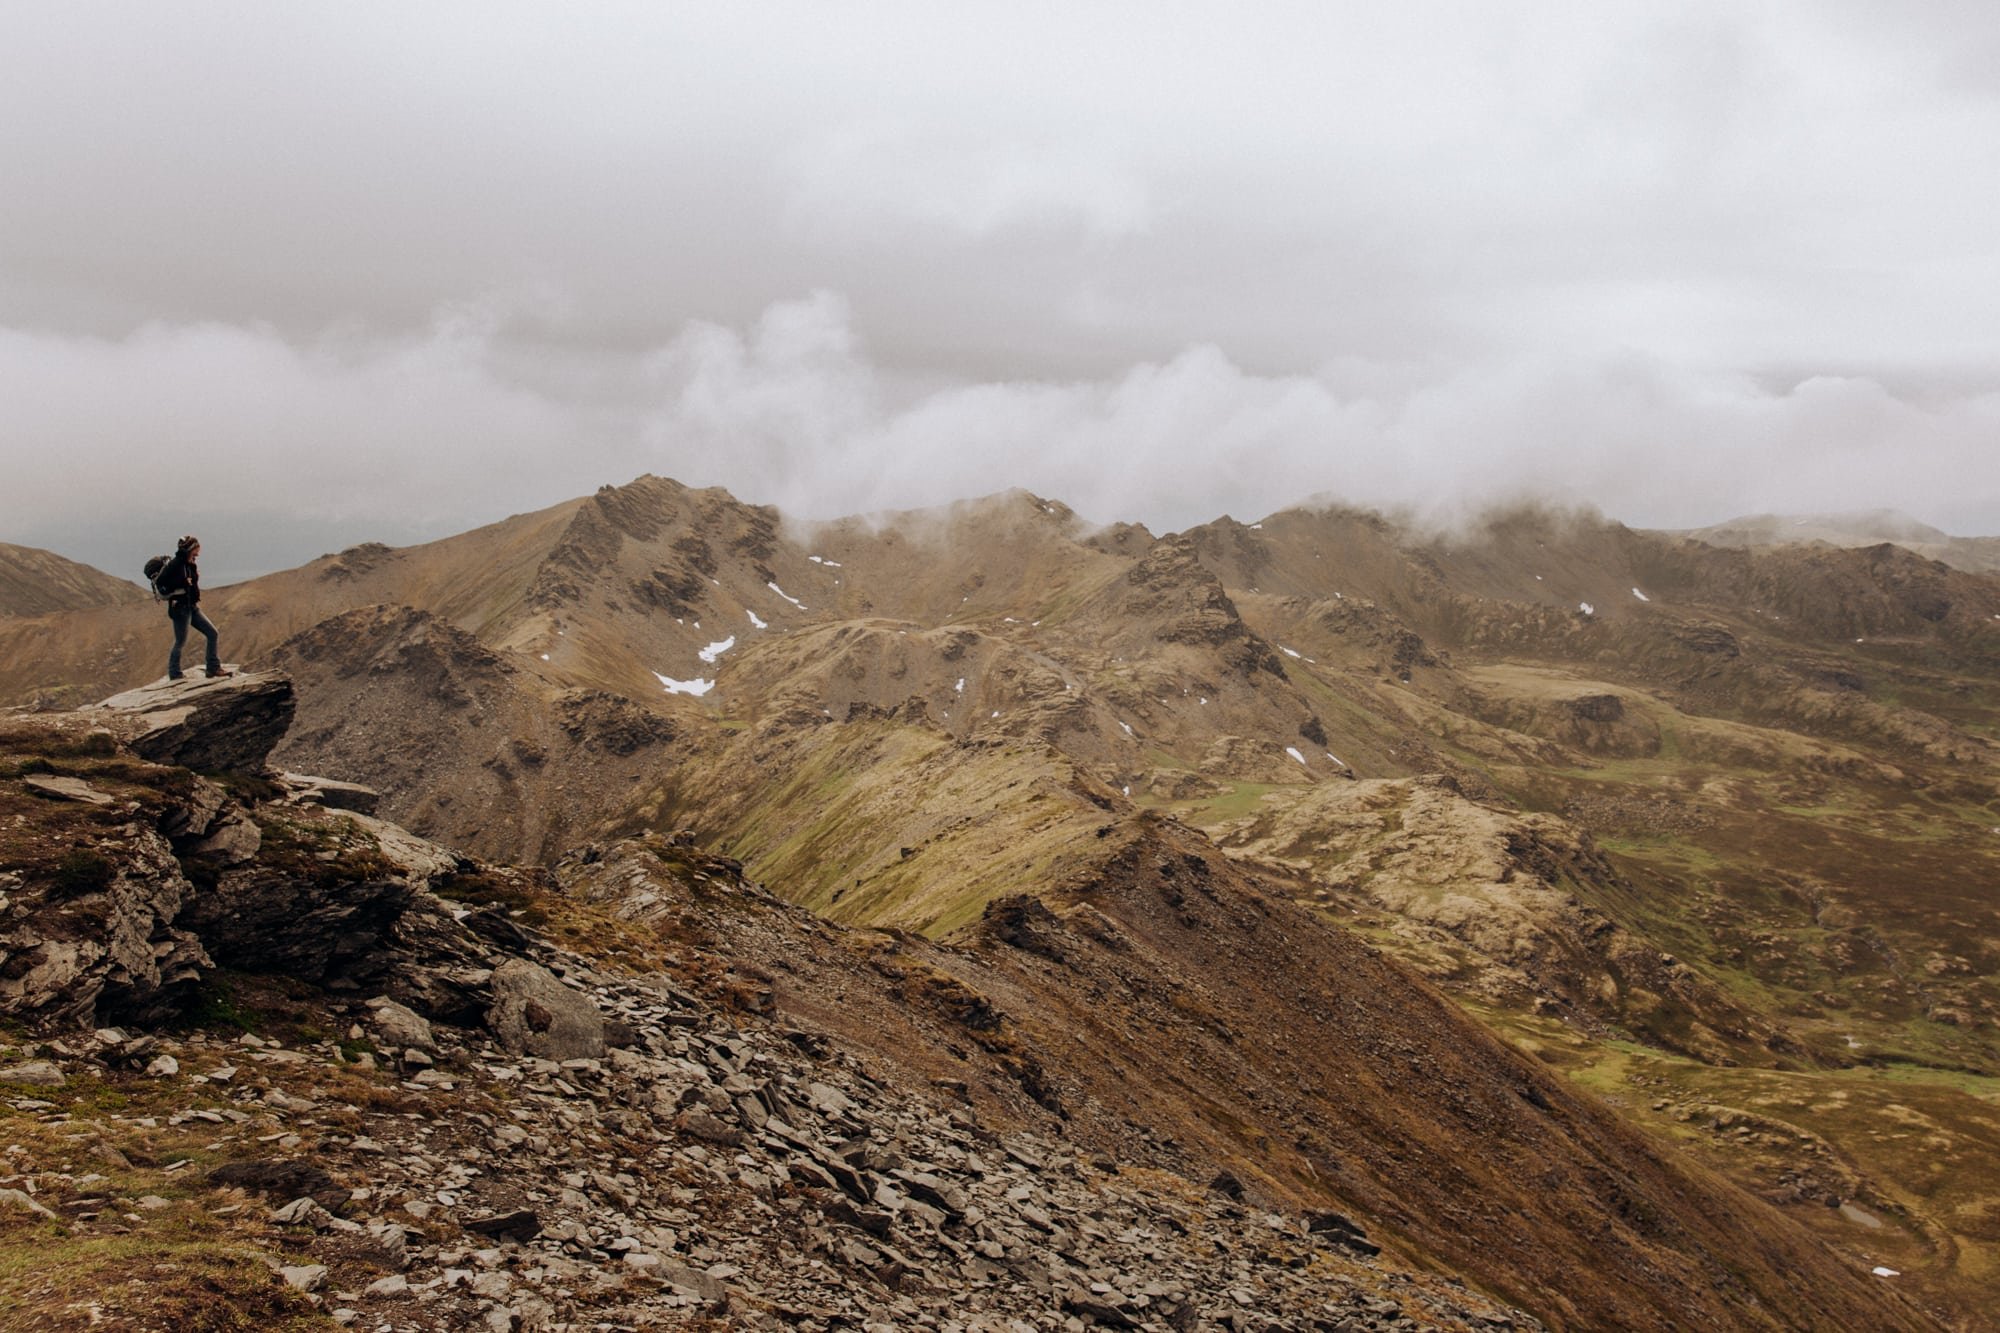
(442, 428)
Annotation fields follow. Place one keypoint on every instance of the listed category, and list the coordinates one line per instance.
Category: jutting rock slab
(226, 725)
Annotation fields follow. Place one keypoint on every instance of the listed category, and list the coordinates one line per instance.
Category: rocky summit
(654, 912)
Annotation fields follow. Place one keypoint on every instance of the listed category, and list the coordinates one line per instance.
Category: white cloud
(204, 416)
(868, 176)
(794, 412)
(437, 431)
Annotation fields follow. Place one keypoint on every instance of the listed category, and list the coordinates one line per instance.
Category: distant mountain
(35, 582)
(1708, 827)
(1869, 527)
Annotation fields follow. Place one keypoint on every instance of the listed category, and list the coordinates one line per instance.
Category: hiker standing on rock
(180, 581)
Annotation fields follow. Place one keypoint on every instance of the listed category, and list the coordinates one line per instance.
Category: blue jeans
(183, 616)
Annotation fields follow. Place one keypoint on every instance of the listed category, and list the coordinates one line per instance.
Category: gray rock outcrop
(96, 935)
(227, 725)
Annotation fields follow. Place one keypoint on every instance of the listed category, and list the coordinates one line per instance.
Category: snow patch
(830, 564)
(1336, 758)
(1256, 527)
(1127, 726)
(960, 687)
(1293, 751)
(545, 657)
(1880, 1271)
(754, 621)
(1586, 608)
(694, 687)
(787, 596)
(716, 649)
(1289, 652)
(1640, 595)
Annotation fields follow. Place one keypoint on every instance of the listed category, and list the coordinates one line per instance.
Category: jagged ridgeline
(977, 912)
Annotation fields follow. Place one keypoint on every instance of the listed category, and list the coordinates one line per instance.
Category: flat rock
(64, 789)
(522, 1225)
(393, 1287)
(42, 1073)
(690, 1279)
(309, 789)
(226, 725)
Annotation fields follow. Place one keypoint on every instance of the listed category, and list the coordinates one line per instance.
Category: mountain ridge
(34, 582)
(1635, 802)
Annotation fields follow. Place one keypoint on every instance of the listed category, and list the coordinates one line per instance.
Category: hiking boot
(217, 673)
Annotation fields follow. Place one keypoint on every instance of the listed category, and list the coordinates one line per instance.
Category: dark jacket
(181, 582)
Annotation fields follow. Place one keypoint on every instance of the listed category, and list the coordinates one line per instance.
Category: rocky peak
(1172, 587)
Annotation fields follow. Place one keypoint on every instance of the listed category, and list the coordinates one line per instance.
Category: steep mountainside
(1709, 830)
(35, 582)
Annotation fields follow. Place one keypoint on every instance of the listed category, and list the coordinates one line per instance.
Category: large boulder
(227, 725)
(535, 1014)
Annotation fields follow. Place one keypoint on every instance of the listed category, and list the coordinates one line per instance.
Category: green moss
(81, 871)
(480, 888)
(353, 1049)
(53, 1281)
(250, 787)
(214, 1004)
(319, 853)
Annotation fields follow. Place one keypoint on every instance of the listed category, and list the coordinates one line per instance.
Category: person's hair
(188, 541)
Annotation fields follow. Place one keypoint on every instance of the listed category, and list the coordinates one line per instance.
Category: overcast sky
(303, 275)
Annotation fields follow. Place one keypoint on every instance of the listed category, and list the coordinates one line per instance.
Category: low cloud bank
(462, 423)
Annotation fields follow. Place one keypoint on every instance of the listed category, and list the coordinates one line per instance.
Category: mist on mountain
(406, 437)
